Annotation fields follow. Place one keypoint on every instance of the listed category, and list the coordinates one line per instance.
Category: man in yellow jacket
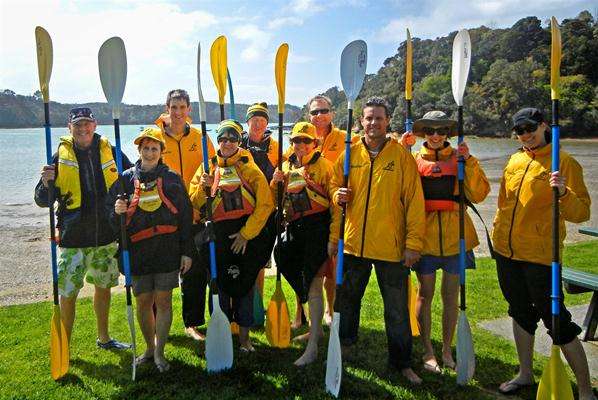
(385, 227)
(522, 242)
(184, 154)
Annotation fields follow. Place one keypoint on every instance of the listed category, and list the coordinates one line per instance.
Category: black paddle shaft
(461, 201)
(221, 112)
(555, 234)
(279, 197)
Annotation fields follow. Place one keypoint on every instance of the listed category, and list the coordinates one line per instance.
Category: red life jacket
(232, 196)
(149, 199)
(438, 182)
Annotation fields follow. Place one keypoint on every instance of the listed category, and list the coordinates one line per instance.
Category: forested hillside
(510, 69)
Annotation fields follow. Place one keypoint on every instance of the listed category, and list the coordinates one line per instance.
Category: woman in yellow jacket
(437, 166)
(312, 224)
(241, 205)
(523, 248)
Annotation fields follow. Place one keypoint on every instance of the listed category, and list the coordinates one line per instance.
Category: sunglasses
(304, 140)
(228, 140)
(525, 128)
(442, 131)
(319, 111)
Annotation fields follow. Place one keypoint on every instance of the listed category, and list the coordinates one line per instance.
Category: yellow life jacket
(303, 195)
(68, 170)
(232, 195)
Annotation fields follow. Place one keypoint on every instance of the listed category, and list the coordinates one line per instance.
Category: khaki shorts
(96, 264)
(154, 282)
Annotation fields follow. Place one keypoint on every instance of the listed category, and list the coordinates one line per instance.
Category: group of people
(401, 216)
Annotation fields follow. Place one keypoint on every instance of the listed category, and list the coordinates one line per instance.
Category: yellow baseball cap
(151, 133)
(303, 129)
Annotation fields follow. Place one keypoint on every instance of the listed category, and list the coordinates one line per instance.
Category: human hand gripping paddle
(278, 322)
(59, 343)
(112, 62)
(219, 341)
(554, 383)
(460, 72)
(353, 66)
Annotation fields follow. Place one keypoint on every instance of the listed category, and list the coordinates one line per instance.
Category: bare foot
(448, 361)
(247, 347)
(328, 318)
(411, 376)
(309, 356)
(194, 334)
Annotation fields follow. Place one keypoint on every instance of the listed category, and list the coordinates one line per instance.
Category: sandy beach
(25, 274)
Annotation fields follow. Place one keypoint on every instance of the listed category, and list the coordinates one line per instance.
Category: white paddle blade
(354, 59)
(202, 103)
(112, 61)
(465, 352)
(461, 62)
(334, 361)
(131, 321)
(219, 341)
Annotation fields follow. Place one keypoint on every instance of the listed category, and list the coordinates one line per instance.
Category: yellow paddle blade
(59, 346)
(554, 384)
(280, 73)
(411, 304)
(409, 68)
(218, 64)
(555, 59)
(43, 45)
(278, 323)
(234, 328)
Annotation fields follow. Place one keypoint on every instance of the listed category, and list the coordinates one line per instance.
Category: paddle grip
(280, 188)
(408, 120)
(556, 266)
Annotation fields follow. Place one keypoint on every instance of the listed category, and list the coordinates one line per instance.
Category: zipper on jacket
(515, 206)
(181, 160)
(95, 193)
(440, 234)
(367, 201)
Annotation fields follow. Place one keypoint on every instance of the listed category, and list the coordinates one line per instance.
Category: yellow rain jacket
(386, 213)
(442, 227)
(251, 174)
(184, 154)
(523, 222)
(320, 172)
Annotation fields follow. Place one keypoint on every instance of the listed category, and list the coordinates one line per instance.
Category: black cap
(80, 114)
(527, 116)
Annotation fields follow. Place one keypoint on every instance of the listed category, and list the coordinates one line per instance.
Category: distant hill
(18, 111)
(510, 69)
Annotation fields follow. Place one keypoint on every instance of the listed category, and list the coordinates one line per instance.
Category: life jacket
(438, 182)
(261, 153)
(232, 195)
(303, 195)
(68, 170)
(156, 213)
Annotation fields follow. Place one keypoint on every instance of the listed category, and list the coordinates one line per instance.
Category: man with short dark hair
(184, 154)
(385, 227)
(83, 169)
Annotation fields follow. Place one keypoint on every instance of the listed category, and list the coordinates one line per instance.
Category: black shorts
(526, 286)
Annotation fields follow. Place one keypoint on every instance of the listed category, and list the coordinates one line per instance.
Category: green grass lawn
(267, 373)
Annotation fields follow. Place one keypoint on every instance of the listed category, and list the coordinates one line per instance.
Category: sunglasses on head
(228, 140)
(525, 128)
(442, 131)
(304, 140)
(319, 111)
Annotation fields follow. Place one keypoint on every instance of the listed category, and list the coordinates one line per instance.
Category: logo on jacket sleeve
(193, 147)
(390, 166)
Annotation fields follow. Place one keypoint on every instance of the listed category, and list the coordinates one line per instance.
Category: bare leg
(315, 317)
(244, 340)
(330, 289)
(525, 351)
(147, 323)
(163, 302)
(450, 295)
(297, 323)
(67, 313)
(101, 306)
(423, 310)
(576, 357)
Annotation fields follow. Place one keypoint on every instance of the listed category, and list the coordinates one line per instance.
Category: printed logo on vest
(436, 169)
(390, 166)
(193, 147)
(234, 271)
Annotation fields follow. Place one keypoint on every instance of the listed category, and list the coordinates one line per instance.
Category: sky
(161, 39)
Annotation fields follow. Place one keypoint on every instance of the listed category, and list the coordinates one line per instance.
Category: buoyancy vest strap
(475, 210)
(153, 231)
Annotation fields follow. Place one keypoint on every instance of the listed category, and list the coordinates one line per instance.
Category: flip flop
(513, 388)
(432, 367)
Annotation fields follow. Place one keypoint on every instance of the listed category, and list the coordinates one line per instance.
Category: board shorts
(155, 282)
(97, 265)
(428, 264)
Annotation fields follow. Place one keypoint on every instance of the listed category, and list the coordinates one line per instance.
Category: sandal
(432, 366)
(513, 387)
(162, 366)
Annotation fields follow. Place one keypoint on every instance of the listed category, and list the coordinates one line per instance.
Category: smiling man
(82, 170)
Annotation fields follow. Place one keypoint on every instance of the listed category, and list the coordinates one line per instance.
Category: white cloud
(284, 22)
(306, 6)
(257, 38)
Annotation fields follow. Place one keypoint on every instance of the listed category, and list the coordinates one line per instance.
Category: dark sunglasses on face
(525, 128)
(319, 111)
(304, 140)
(228, 140)
(442, 131)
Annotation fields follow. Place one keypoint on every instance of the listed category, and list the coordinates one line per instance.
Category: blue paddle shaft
(51, 199)
(408, 120)
(209, 226)
(461, 177)
(233, 113)
(556, 266)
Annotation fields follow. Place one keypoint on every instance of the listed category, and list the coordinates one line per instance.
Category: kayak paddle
(219, 342)
(353, 66)
(233, 113)
(219, 71)
(409, 88)
(278, 322)
(554, 383)
(59, 342)
(460, 71)
(112, 61)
